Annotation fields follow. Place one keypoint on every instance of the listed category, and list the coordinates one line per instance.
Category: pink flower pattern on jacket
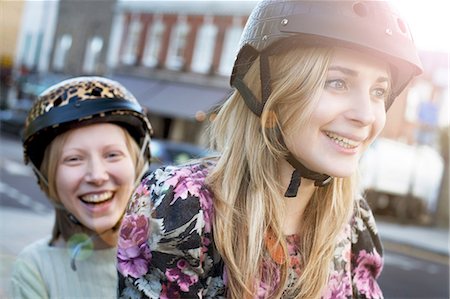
(166, 249)
(133, 252)
(367, 270)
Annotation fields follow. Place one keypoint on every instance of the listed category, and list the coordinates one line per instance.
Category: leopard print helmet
(82, 101)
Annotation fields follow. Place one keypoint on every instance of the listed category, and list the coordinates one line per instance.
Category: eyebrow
(354, 73)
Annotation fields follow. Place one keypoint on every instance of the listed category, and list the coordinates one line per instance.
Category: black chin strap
(300, 171)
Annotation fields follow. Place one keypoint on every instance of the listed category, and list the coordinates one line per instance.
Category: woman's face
(95, 175)
(348, 116)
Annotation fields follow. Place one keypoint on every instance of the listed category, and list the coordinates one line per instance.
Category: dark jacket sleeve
(367, 253)
(165, 236)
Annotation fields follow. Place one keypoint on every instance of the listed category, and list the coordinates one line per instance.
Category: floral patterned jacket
(166, 250)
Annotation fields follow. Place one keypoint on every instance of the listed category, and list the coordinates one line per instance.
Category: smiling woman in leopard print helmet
(87, 140)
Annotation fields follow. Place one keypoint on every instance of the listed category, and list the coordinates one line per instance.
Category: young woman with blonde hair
(278, 214)
(87, 140)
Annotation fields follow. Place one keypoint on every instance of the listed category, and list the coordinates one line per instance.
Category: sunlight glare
(428, 21)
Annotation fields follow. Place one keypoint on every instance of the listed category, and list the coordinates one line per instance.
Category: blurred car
(12, 121)
(166, 152)
(34, 84)
(402, 179)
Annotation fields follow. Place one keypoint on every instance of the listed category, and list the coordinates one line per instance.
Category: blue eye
(337, 84)
(379, 92)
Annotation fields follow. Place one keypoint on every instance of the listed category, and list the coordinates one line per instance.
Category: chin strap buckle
(322, 183)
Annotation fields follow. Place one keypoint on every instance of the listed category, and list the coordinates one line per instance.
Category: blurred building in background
(10, 22)
(82, 37)
(185, 52)
(417, 130)
(176, 57)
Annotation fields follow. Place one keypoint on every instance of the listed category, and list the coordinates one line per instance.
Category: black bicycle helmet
(79, 101)
(370, 26)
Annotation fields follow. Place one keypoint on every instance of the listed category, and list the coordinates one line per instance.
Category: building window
(93, 50)
(204, 47)
(154, 42)
(132, 42)
(178, 41)
(229, 50)
(62, 49)
(38, 49)
(26, 50)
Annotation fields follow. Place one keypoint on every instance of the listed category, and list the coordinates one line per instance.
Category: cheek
(326, 111)
(380, 121)
(67, 181)
(125, 173)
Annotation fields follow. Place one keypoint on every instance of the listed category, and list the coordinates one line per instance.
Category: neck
(103, 241)
(106, 240)
(294, 206)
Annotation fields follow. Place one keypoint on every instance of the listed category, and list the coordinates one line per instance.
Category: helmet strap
(73, 219)
(142, 156)
(144, 146)
(300, 171)
(264, 76)
(38, 173)
(249, 98)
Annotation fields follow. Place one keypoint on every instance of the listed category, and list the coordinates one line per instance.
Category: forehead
(359, 62)
(104, 133)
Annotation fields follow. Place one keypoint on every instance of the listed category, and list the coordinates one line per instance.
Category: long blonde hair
(248, 195)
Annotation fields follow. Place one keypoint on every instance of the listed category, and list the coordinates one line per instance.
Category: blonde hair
(248, 196)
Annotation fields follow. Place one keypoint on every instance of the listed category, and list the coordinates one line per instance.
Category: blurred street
(416, 257)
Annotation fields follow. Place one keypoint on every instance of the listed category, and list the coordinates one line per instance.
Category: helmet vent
(360, 9)
(401, 25)
(96, 92)
(57, 102)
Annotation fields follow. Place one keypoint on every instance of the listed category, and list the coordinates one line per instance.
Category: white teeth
(98, 197)
(342, 141)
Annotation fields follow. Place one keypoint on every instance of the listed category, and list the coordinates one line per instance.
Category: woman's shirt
(166, 249)
(42, 271)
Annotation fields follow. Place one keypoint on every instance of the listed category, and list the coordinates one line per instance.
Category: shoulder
(26, 276)
(367, 252)
(170, 185)
(364, 228)
(170, 203)
(183, 181)
(167, 229)
(35, 249)
(37, 257)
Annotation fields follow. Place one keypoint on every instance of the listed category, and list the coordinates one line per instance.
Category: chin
(339, 171)
(101, 227)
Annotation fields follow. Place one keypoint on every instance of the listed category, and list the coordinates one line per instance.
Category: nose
(361, 110)
(97, 172)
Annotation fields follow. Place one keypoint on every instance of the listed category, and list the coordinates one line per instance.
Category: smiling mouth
(342, 141)
(97, 197)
